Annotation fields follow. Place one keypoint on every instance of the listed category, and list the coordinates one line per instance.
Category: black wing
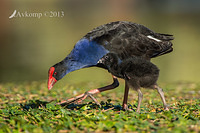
(128, 39)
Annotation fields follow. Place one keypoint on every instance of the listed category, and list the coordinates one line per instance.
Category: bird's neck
(85, 54)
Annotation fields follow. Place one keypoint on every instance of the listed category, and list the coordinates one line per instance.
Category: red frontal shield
(51, 80)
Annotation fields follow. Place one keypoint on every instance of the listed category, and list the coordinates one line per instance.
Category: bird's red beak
(51, 80)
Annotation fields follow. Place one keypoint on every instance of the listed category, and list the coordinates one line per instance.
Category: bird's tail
(164, 43)
(160, 44)
(163, 37)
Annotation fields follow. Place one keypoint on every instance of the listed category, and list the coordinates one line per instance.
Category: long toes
(125, 107)
(79, 101)
(94, 99)
(166, 109)
(60, 103)
(99, 105)
(64, 102)
(69, 101)
(138, 111)
(128, 109)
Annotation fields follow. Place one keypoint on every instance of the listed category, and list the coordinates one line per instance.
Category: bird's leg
(160, 91)
(124, 105)
(81, 97)
(140, 96)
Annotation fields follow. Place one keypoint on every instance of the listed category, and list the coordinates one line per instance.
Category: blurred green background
(29, 46)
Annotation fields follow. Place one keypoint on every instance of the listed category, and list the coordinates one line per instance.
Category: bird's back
(130, 39)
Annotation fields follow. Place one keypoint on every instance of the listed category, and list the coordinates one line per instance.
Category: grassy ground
(29, 107)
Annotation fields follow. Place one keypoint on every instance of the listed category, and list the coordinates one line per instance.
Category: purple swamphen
(125, 50)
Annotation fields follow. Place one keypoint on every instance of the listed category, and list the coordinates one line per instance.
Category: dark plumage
(133, 45)
(128, 39)
(135, 70)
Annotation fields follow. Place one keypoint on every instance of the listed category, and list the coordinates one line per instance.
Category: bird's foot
(125, 107)
(138, 110)
(79, 99)
(87, 94)
(167, 107)
(90, 93)
(71, 100)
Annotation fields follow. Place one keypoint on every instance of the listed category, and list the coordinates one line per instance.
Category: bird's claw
(125, 108)
(167, 107)
(79, 99)
(71, 100)
(92, 97)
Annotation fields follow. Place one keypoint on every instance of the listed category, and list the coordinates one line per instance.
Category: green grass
(29, 107)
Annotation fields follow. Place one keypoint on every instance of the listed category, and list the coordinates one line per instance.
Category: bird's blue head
(86, 53)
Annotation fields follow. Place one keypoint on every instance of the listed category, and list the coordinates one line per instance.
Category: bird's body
(135, 70)
(128, 41)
